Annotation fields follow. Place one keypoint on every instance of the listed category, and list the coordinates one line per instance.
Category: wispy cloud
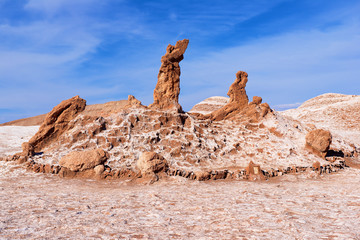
(56, 49)
(290, 67)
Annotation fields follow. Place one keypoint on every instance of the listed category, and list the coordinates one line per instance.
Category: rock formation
(239, 102)
(318, 141)
(167, 90)
(84, 160)
(132, 101)
(151, 163)
(173, 143)
(55, 123)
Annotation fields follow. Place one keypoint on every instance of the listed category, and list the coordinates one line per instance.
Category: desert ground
(295, 206)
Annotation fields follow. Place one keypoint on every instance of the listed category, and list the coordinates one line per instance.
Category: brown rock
(316, 166)
(167, 90)
(254, 171)
(238, 98)
(99, 169)
(237, 92)
(28, 149)
(318, 141)
(256, 100)
(80, 161)
(56, 123)
(132, 101)
(151, 163)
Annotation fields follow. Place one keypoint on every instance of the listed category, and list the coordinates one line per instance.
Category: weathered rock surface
(238, 105)
(84, 160)
(151, 163)
(56, 123)
(209, 105)
(338, 113)
(132, 101)
(167, 90)
(319, 141)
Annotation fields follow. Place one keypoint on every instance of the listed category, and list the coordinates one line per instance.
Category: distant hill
(338, 113)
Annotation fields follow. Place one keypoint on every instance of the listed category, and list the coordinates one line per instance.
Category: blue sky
(104, 50)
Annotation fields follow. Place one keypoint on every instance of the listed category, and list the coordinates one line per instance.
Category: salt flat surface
(41, 206)
(11, 138)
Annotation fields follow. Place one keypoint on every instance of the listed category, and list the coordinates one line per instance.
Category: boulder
(151, 163)
(318, 141)
(55, 124)
(167, 90)
(80, 161)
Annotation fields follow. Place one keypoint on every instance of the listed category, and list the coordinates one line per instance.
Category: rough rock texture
(167, 90)
(195, 146)
(56, 123)
(238, 105)
(80, 161)
(338, 113)
(151, 163)
(319, 141)
(132, 101)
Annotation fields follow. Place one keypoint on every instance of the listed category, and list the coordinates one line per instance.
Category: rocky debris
(238, 105)
(55, 124)
(151, 163)
(167, 90)
(318, 141)
(80, 161)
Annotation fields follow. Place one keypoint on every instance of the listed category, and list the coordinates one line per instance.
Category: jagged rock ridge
(226, 139)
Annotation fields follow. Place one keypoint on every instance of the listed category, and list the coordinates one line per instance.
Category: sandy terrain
(307, 206)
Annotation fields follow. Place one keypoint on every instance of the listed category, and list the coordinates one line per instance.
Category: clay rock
(99, 169)
(238, 98)
(27, 149)
(237, 92)
(132, 101)
(167, 90)
(239, 103)
(256, 100)
(56, 122)
(151, 163)
(319, 141)
(254, 172)
(80, 161)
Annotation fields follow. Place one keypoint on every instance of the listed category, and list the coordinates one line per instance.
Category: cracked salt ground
(41, 206)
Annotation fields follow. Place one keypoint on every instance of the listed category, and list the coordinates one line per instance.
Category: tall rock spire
(167, 90)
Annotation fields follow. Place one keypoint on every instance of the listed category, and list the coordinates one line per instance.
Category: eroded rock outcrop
(318, 141)
(55, 124)
(132, 101)
(81, 161)
(167, 90)
(239, 102)
(151, 163)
